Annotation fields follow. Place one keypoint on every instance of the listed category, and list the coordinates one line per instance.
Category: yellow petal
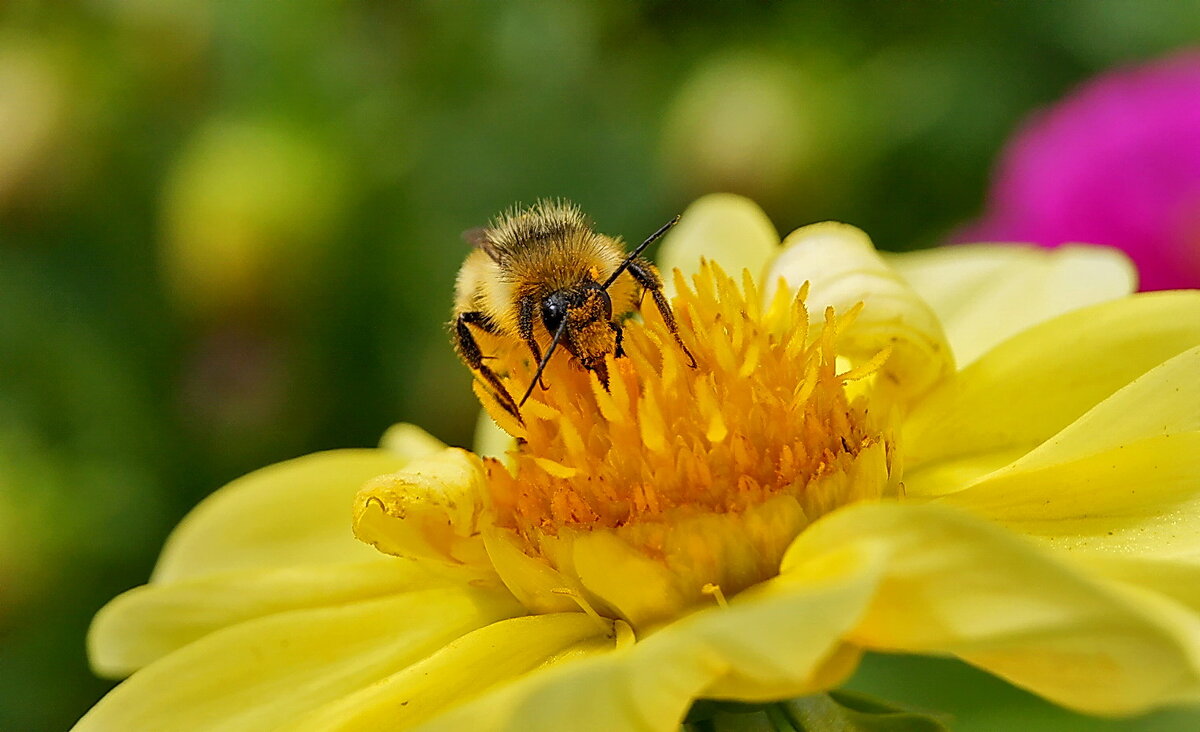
(1033, 385)
(1140, 498)
(986, 293)
(1163, 401)
(1178, 580)
(844, 269)
(535, 583)
(266, 673)
(953, 584)
(490, 440)
(432, 509)
(462, 670)
(296, 512)
(148, 622)
(780, 639)
(410, 441)
(723, 228)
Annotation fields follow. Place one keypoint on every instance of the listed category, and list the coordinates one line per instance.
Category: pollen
(708, 471)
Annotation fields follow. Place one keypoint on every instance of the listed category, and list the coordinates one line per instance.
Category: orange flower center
(709, 471)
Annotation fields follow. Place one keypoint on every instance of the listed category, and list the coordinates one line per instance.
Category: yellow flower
(827, 480)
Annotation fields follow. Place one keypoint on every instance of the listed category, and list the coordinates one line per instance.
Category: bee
(543, 276)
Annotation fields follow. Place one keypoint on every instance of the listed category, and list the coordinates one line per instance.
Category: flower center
(695, 479)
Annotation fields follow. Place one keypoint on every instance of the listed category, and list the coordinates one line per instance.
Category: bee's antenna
(562, 328)
(641, 247)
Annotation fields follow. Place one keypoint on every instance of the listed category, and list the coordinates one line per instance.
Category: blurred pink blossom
(1116, 163)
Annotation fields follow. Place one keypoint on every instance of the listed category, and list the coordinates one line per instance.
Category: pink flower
(1116, 163)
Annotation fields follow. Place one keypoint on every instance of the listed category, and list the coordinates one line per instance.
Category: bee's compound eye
(554, 309)
(606, 303)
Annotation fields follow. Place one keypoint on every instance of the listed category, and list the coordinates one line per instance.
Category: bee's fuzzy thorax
(546, 220)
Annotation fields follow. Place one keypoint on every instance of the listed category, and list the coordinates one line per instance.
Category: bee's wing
(478, 237)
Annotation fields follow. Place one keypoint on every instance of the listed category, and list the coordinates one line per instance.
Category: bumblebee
(541, 275)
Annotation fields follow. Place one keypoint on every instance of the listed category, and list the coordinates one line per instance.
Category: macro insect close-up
(543, 276)
(526, 366)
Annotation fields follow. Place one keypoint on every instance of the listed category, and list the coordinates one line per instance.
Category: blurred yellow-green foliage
(229, 230)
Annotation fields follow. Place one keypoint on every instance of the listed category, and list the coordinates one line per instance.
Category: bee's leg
(619, 351)
(646, 276)
(468, 350)
(525, 314)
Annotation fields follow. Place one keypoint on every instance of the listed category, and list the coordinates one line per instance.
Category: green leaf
(841, 711)
(837, 711)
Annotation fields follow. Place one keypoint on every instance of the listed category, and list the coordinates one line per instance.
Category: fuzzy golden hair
(532, 252)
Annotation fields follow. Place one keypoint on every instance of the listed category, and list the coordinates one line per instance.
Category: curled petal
(1140, 498)
(986, 293)
(432, 509)
(1033, 385)
(287, 514)
(843, 269)
(952, 584)
(724, 228)
(410, 441)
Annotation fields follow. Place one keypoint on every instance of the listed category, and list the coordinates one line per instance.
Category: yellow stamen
(586, 606)
(715, 591)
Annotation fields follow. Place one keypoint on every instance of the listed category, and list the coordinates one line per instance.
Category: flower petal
(721, 227)
(776, 640)
(986, 293)
(295, 512)
(148, 622)
(1178, 580)
(1030, 387)
(410, 441)
(844, 269)
(460, 671)
(265, 673)
(1141, 498)
(490, 440)
(1163, 401)
(953, 584)
(432, 509)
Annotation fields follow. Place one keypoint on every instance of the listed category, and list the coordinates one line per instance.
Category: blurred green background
(229, 230)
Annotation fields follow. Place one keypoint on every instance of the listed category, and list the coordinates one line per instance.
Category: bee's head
(586, 311)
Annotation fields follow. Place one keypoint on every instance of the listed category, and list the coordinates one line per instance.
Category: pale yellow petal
(490, 440)
(432, 509)
(1126, 479)
(410, 441)
(957, 585)
(721, 227)
(985, 293)
(266, 673)
(1163, 401)
(1178, 580)
(462, 670)
(148, 622)
(296, 512)
(535, 583)
(1138, 499)
(843, 269)
(1033, 385)
(778, 640)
